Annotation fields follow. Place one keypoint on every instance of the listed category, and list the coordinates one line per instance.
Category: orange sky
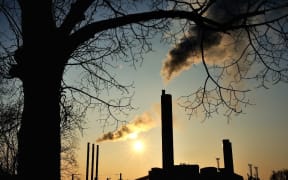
(257, 137)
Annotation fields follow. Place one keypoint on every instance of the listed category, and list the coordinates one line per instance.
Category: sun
(138, 146)
(133, 135)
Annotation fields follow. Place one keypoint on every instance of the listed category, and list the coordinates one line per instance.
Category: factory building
(186, 171)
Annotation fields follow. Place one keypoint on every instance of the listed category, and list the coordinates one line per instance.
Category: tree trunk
(39, 136)
(41, 74)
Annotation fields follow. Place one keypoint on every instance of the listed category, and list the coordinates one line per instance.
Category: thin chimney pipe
(256, 172)
(92, 161)
(87, 161)
(218, 166)
(250, 169)
(97, 158)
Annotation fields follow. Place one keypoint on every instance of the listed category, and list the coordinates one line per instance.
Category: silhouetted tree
(10, 117)
(234, 40)
(9, 123)
(71, 123)
(279, 175)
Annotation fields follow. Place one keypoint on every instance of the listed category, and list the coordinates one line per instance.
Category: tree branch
(75, 15)
(90, 30)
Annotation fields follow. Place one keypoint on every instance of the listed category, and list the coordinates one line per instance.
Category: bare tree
(279, 175)
(71, 123)
(236, 41)
(10, 117)
(10, 121)
(11, 104)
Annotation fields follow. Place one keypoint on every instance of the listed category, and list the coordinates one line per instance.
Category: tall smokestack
(92, 162)
(228, 157)
(256, 173)
(250, 170)
(87, 161)
(97, 159)
(218, 166)
(167, 131)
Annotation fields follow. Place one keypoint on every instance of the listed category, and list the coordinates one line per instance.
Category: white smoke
(139, 124)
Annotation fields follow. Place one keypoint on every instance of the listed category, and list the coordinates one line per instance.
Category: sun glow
(133, 135)
(138, 146)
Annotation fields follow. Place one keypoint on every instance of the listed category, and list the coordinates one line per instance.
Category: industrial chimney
(167, 131)
(228, 156)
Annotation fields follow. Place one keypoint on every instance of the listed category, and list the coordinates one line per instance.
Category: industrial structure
(167, 131)
(92, 177)
(187, 171)
(250, 175)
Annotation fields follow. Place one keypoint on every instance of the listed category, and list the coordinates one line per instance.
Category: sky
(258, 136)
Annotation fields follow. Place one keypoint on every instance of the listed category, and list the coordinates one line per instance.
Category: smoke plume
(188, 52)
(141, 123)
(218, 47)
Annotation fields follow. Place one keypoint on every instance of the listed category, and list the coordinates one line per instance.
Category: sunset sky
(258, 136)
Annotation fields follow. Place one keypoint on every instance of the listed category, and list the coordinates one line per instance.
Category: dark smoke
(218, 46)
(187, 51)
(120, 133)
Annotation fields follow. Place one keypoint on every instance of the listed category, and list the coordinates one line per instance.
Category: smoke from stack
(187, 52)
(141, 123)
(219, 48)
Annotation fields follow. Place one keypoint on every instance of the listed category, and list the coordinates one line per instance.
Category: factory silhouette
(186, 171)
(183, 171)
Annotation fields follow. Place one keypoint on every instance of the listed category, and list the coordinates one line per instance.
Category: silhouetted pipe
(228, 157)
(250, 169)
(87, 161)
(97, 157)
(256, 172)
(92, 161)
(167, 131)
(218, 166)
